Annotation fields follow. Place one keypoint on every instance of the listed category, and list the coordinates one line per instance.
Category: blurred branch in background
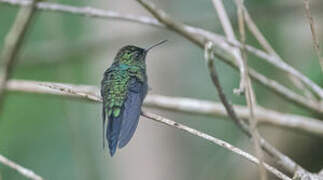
(201, 35)
(303, 124)
(60, 52)
(12, 43)
(312, 27)
(25, 172)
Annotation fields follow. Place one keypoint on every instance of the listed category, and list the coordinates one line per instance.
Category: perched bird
(123, 89)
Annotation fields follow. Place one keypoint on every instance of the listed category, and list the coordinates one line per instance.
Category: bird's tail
(113, 131)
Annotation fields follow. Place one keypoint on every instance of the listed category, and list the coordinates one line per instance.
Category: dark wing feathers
(132, 108)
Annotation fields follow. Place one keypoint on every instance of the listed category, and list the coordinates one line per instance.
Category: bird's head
(132, 55)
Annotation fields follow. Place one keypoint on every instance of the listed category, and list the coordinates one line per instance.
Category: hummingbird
(123, 89)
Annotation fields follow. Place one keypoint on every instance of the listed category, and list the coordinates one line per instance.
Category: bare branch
(202, 34)
(300, 175)
(85, 11)
(12, 43)
(257, 34)
(266, 45)
(250, 95)
(321, 172)
(276, 60)
(177, 104)
(314, 37)
(208, 108)
(215, 141)
(227, 27)
(214, 76)
(23, 171)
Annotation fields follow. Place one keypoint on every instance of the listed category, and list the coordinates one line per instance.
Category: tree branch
(215, 141)
(264, 116)
(250, 95)
(12, 43)
(177, 104)
(314, 37)
(266, 45)
(227, 27)
(23, 171)
(276, 60)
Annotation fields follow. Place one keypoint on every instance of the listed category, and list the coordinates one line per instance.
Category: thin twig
(250, 95)
(214, 140)
(314, 37)
(300, 175)
(204, 35)
(257, 34)
(213, 73)
(266, 45)
(177, 104)
(227, 27)
(276, 60)
(23, 171)
(12, 43)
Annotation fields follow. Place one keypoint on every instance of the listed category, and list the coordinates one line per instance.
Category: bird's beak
(157, 44)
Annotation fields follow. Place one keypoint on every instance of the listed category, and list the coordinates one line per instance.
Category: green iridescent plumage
(115, 86)
(123, 89)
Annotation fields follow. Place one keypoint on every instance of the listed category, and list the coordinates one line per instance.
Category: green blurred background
(61, 138)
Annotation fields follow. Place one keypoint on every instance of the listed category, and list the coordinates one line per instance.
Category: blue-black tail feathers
(113, 132)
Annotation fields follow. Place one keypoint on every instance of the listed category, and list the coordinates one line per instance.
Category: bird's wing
(137, 90)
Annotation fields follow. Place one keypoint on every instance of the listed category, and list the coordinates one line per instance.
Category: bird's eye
(136, 55)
